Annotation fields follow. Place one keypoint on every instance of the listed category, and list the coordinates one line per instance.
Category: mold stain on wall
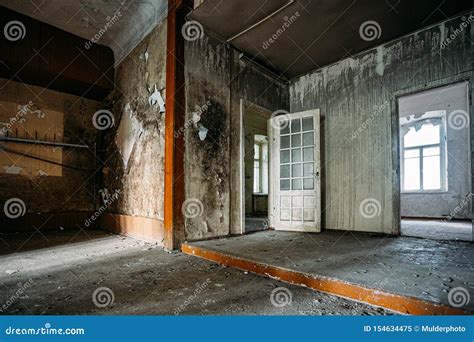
(134, 147)
(215, 75)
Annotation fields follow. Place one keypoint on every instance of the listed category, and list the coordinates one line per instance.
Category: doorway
(255, 168)
(435, 163)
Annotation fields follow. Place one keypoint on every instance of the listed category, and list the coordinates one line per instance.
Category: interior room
(435, 161)
(207, 157)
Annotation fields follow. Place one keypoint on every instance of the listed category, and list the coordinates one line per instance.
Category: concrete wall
(134, 147)
(452, 99)
(360, 135)
(216, 81)
(54, 196)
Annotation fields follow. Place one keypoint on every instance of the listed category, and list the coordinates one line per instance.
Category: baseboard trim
(142, 228)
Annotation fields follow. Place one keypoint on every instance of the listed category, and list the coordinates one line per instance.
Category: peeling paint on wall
(135, 152)
(155, 98)
(128, 132)
(12, 169)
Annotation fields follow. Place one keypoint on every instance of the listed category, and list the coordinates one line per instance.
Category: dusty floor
(414, 267)
(58, 272)
(437, 229)
(254, 224)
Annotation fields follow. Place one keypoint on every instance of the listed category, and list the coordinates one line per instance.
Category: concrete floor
(437, 229)
(59, 271)
(420, 268)
(255, 224)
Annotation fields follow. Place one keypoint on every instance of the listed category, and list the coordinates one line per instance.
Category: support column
(174, 121)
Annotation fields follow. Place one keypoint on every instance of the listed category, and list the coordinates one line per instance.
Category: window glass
(427, 134)
(431, 173)
(412, 174)
(260, 169)
(423, 145)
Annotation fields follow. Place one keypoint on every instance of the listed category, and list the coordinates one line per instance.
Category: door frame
(238, 195)
(274, 180)
(395, 123)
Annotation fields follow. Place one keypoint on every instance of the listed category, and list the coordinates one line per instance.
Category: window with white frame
(423, 153)
(260, 165)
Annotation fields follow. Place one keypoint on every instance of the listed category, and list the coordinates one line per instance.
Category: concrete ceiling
(85, 18)
(309, 34)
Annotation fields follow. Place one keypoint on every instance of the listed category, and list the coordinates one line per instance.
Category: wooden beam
(174, 144)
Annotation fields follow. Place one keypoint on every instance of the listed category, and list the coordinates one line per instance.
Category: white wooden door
(295, 186)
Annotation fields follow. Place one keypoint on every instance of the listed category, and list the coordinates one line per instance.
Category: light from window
(260, 165)
(423, 146)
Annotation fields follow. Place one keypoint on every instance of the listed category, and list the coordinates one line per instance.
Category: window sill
(434, 192)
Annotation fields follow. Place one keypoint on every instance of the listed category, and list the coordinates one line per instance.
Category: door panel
(295, 168)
